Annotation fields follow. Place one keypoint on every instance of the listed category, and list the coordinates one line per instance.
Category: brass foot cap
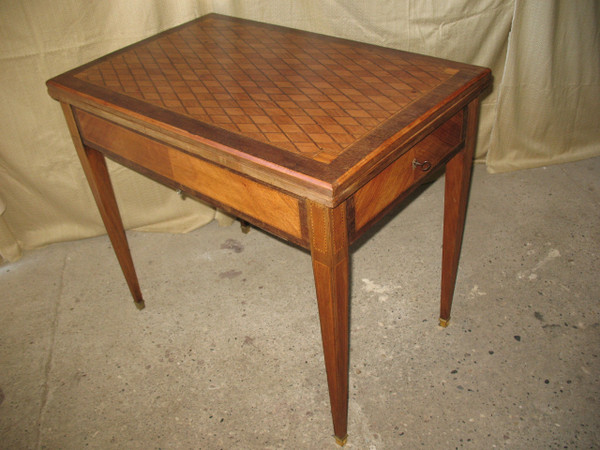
(341, 441)
(444, 322)
(140, 305)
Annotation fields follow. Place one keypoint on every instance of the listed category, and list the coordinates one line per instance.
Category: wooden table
(309, 137)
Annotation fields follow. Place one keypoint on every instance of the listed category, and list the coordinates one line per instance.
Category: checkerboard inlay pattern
(304, 95)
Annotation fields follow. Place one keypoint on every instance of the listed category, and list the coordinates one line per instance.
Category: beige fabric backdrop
(549, 97)
(542, 108)
(41, 181)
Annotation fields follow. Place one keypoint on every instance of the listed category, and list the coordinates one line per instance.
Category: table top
(295, 109)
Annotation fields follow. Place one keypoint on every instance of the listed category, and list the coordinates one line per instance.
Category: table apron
(269, 208)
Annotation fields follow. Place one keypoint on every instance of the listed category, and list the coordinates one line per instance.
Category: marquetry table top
(297, 101)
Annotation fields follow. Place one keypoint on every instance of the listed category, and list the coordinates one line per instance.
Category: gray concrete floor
(227, 353)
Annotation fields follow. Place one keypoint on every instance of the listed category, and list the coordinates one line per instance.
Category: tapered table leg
(96, 172)
(329, 250)
(458, 179)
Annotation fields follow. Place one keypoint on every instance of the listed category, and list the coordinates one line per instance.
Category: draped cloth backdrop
(543, 107)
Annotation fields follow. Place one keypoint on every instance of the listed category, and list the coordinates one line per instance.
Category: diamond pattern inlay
(296, 91)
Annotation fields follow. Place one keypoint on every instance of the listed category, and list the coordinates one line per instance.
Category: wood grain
(458, 179)
(96, 172)
(329, 250)
(222, 187)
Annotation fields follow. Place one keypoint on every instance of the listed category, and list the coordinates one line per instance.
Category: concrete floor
(227, 353)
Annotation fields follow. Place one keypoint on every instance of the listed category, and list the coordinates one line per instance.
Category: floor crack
(50, 356)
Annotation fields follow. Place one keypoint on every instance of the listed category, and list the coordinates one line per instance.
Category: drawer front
(397, 179)
(436, 147)
(270, 208)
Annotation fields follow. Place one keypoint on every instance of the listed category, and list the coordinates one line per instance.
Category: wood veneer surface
(318, 106)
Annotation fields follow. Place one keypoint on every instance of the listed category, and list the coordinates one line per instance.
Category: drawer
(435, 148)
(397, 179)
